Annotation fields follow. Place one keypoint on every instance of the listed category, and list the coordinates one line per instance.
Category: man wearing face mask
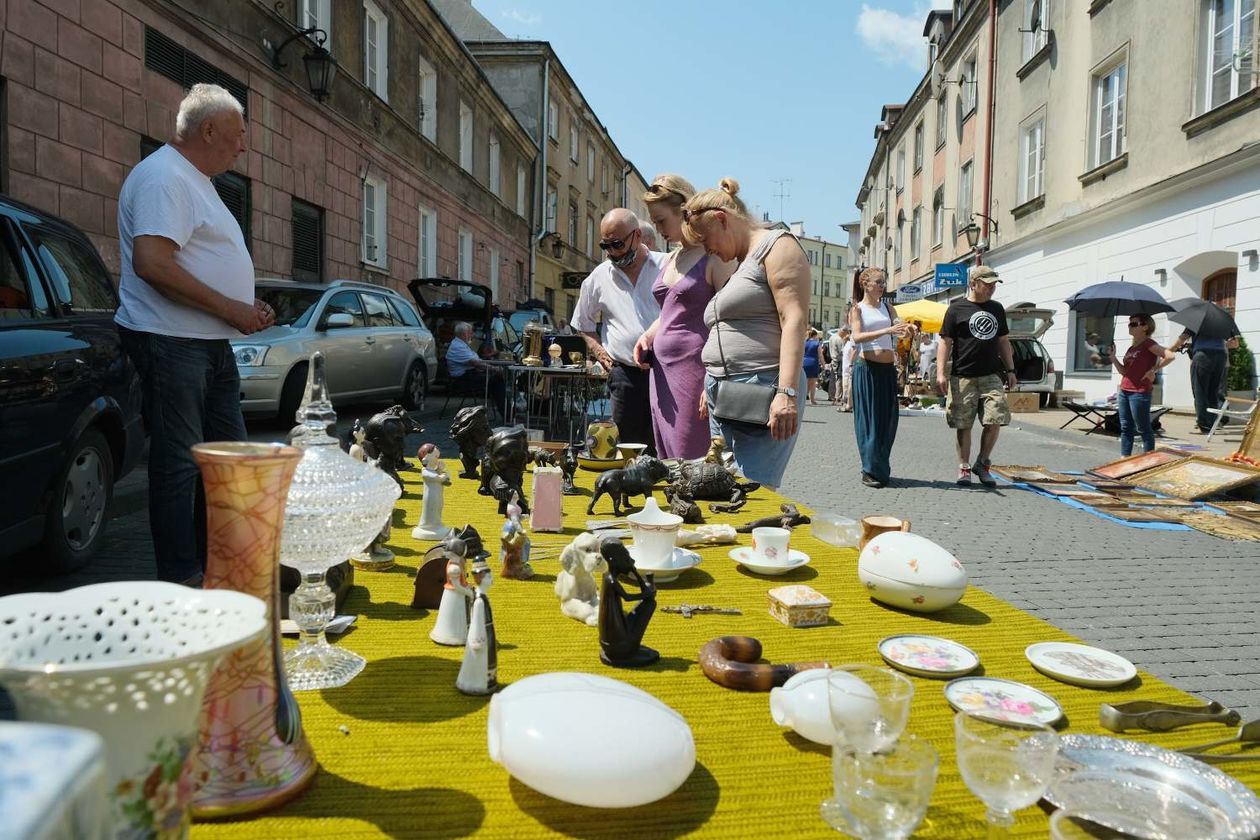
(619, 293)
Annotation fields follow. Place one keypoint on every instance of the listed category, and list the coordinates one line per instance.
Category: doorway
(1221, 288)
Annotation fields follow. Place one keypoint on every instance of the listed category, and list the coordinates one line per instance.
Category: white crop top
(875, 319)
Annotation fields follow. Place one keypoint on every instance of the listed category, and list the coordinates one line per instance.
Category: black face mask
(627, 259)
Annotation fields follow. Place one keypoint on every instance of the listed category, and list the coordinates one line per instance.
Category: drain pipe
(538, 207)
(988, 134)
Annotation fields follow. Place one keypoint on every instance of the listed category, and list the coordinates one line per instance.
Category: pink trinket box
(547, 513)
(799, 605)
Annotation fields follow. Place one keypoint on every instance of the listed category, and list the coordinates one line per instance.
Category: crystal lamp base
(320, 665)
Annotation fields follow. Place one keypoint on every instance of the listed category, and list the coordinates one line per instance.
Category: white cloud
(896, 38)
(520, 17)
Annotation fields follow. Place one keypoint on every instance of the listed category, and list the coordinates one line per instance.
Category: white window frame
(374, 238)
(572, 230)
(465, 136)
(942, 119)
(521, 191)
(427, 244)
(1109, 90)
(969, 88)
(901, 168)
(493, 274)
(496, 177)
(918, 145)
(1035, 41)
(574, 153)
(553, 121)
(1032, 157)
(380, 68)
(552, 208)
(938, 216)
(464, 262)
(590, 161)
(317, 13)
(590, 237)
(428, 104)
(1240, 74)
(966, 177)
(897, 237)
(603, 178)
(916, 232)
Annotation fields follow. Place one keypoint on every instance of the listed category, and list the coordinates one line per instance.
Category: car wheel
(1044, 399)
(415, 386)
(291, 393)
(76, 518)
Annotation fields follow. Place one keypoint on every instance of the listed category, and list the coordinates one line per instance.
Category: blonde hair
(724, 198)
(670, 189)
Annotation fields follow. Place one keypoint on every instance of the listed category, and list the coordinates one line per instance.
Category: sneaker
(964, 476)
(981, 469)
(871, 481)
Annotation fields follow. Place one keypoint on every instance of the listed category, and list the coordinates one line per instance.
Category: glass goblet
(885, 794)
(1007, 768)
(869, 706)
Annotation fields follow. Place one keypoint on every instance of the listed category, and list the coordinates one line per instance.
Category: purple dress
(677, 374)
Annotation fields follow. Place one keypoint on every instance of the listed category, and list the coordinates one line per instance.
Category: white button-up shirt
(627, 309)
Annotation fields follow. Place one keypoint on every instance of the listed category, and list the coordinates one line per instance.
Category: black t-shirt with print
(975, 329)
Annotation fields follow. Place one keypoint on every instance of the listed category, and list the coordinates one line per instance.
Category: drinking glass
(869, 706)
(1006, 768)
(885, 794)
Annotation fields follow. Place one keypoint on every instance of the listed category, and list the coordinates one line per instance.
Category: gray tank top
(749, 326)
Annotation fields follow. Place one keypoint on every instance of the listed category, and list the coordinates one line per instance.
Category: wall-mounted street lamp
(557, 246)
(321, 67)
(972, 232)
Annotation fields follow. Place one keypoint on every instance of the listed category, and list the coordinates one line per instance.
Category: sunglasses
(659, 189)
(1135, 324)
(688, 215)
(614, 244)
(877, 283)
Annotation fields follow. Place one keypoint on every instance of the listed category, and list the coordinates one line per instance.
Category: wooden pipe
(731, 662)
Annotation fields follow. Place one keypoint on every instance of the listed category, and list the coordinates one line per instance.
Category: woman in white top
(875, 408)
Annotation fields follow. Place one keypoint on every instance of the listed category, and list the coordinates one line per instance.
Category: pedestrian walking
(618, 295)
(756, 332)
(875, 324)
(672, 345)
(186, 287)
(1209, 364)
(975, 366)
(835, 349)
(1137, 379)
(812, 364)
(648, 233)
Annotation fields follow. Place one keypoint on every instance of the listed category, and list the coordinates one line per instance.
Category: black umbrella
(1204, 318)
(1116, 297)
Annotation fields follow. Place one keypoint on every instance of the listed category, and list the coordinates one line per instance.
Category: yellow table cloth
(414, 763)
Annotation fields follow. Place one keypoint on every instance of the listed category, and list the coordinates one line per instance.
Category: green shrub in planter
(1242, 368)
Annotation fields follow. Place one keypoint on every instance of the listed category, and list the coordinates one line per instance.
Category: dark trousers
(632, 405)
(475, 382)
(1207, 375)
(875, 415)
(192, 394)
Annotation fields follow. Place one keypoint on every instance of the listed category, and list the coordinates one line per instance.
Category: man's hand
(642, 349)
(246, 317)
(268, 314)
(1011, 380)
(942, 384)
(604, 359)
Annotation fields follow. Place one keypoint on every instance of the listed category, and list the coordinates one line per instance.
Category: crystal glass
(1007, 768)
(869, 706)
(885, 794)
(336, 505)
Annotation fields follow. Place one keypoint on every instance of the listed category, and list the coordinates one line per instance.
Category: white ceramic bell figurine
(479, 670)
(435, 477)
(801, 705)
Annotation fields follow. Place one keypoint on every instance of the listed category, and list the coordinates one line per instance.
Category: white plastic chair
(1240, 412)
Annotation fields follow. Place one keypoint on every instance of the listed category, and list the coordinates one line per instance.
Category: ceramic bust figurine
(503, 467)
(621, 632)
(555, 351)
(451, 627)
(581, 565)
(436, 479)
(514, 553)
(479, 671)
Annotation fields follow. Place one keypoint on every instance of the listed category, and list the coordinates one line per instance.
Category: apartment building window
(901, 169)
(520, 191)
(918, 146)
(1229, 50)
(590, 162)
(307, 238)
(897, 237)
(427, 261)
(967, 88)
(827, 260)
(316, 13)
(375, 202)
(1032, 159)
(916, 232)
(551, 208)
(465, 136)
(494, 274)
(938, 216)
(1107, 123)
(942, 119)
(573, 138)
(590, 237)
(603, 179)
(464, 267)
(573, 224)
(496, 181)
(826, 288)
(963, 216)
(428, 111)
(553, 121)
(1036, 20)
(375, 49)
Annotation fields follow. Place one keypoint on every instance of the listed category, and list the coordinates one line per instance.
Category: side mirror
(339, 319)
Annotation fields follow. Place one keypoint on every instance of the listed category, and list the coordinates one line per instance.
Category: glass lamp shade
(321, 70)
(336, 505)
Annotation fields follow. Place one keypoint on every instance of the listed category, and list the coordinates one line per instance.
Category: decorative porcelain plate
(680, 561)
(928, 656)
(745, 557)
(1002, 701)
(1080, 664)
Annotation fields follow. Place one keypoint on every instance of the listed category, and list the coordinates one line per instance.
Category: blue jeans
(1135, 416)
(192, 394)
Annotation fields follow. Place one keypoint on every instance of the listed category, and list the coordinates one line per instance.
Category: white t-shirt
(165, 195)
(847, 355)
(628, 309)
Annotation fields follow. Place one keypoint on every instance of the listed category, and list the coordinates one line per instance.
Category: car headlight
(249, 355)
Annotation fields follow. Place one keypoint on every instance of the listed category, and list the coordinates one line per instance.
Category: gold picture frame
(1196, 477)
(1134, 464)
(1250, 444)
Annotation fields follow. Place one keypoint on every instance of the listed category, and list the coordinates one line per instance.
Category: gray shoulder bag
(746, 403)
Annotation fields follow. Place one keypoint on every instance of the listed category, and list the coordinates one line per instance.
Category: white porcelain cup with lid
(654, 532)
(770, 545)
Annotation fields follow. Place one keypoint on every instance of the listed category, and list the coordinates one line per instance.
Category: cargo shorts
(969, 395)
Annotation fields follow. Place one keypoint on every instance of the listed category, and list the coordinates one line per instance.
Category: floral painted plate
(928, 656)
(1002, 701)
(1080, 664)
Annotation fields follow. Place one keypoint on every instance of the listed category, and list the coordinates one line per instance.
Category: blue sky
(758, 91)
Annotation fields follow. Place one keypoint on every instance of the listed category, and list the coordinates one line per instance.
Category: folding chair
(1240, 411)
(1095, 415)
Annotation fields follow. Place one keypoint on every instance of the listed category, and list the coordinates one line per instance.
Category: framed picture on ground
(1137, 515)
(1250, 446)
(1196, 477)
(1135, 464)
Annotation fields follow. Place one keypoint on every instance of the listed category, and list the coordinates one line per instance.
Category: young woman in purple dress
(672, 344)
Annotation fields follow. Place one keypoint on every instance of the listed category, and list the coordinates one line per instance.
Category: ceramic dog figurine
(581, 565)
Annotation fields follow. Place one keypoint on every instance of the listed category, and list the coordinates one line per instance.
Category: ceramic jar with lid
(911, 572)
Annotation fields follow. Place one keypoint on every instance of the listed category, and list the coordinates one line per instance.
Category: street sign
(909, 292)
(951, 274)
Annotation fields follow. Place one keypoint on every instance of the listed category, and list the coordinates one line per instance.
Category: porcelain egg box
(909, 571)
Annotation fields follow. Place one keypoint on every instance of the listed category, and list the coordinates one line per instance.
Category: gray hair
(648, 232)
(201, 103)
(463, 328)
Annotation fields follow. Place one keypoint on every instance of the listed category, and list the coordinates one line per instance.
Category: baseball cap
(986, 274)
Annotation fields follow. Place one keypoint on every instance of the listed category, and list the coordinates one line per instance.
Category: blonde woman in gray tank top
(757, 326)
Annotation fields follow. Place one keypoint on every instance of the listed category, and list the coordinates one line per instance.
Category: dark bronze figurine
(621, 632)
(470, 430)
(503, 467)
(568, 466)
(789, 518)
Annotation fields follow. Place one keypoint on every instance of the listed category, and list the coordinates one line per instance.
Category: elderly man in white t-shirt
(187, 287)
(619, 293)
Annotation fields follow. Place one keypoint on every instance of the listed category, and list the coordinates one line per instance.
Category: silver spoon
(1249, 732)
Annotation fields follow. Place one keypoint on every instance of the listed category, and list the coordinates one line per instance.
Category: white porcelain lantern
(911, 572)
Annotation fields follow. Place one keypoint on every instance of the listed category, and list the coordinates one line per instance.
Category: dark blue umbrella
(1116, 297)
(1204, 318)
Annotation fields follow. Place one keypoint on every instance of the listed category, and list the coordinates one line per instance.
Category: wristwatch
(791, 392)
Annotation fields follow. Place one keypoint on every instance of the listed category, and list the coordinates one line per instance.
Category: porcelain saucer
(586, 462)
(743, 555)
(680, 561)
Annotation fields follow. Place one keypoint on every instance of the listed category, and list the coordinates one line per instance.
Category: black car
(70, 423)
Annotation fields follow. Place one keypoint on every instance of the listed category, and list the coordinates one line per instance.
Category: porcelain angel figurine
(514, 553)
(451, 627)
(479, 671)
(436, 478)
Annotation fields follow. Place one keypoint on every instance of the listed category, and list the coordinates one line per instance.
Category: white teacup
(654, 532)
(770, 545)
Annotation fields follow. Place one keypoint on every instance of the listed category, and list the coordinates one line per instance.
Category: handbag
(745, 403)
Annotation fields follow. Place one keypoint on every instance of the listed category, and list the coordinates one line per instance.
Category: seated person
(469, 371)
